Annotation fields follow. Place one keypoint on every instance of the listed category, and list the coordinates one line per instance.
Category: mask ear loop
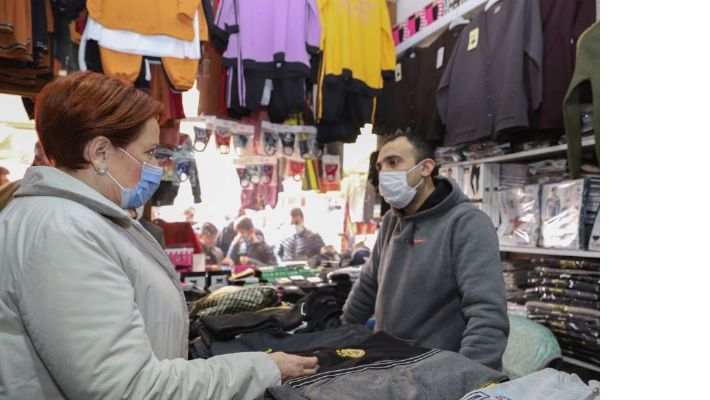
(421, 181)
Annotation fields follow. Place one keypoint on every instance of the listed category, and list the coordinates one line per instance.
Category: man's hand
(292, 367)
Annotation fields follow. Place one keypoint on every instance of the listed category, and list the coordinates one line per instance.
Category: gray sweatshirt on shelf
(435, 280)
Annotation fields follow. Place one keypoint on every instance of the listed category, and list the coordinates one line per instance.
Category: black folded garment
(581, 357)
(593, 279)
(564, 283)
(561, 300)
(574, 294)
(377, 347)
(566, 264)
(344, 336)
(591, 323)
(339, 288)
(322, 311)
(227, 326)
(571, 326)
(575, 343)
(383, 367)
(574, 335)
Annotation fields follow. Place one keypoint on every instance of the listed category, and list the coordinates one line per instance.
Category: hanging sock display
(222, 139)
(230, 131)
(240, 143)
(330, 179)
(295, 169)
(288, 142)
(177, 168)
(202, 137)
(311, 175)
(258, 177)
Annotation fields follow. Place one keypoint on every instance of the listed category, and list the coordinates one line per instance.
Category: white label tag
(497, 9)
(473, 39)
(440, 57)
(398, 72)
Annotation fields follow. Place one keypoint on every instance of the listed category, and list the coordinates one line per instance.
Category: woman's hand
(292, 367)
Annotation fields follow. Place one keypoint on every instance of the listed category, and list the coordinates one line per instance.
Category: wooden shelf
(551, 252)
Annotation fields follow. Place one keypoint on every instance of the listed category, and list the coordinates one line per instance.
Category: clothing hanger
(458, 21)
(490, 4)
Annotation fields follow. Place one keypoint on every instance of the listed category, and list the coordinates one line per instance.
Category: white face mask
(395, 189)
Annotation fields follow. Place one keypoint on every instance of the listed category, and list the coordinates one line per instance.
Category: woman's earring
(101, 170)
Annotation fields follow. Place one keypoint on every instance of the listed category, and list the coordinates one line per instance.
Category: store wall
(405, 8)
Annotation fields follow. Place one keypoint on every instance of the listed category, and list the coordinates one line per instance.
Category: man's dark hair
(245, 224)
(209, 228)
(423, 148)
(296, 212)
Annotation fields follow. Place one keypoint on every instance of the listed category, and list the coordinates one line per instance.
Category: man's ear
(428, 166)
(97, 150)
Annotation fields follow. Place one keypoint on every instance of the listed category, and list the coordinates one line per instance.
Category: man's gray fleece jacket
(435, 279)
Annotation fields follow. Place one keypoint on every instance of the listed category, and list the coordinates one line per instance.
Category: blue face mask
(139, 195)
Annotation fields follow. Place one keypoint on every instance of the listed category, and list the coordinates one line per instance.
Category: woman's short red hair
(73, 110)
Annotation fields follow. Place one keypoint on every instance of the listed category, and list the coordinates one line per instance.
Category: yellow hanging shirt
(357, 43)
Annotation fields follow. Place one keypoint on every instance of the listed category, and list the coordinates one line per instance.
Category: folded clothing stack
(564, 295)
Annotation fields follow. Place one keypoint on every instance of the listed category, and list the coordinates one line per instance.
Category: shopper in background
(360, 253)
(303, 244)
(154, 229)
(229, 232)
(208, 239)
(189, 215)
(249, 248)
(328, 257)
(434, 277)
(7, 191)
(99, 313)
(346, 250)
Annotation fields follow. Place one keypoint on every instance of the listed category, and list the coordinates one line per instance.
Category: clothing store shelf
(524, 155)
(551, 252)
(582, 364)
(449, 17)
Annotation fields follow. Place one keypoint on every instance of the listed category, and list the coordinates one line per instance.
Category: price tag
(440, 57)
(473, 39)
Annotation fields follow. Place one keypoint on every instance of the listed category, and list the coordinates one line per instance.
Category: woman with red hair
(90, 305)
